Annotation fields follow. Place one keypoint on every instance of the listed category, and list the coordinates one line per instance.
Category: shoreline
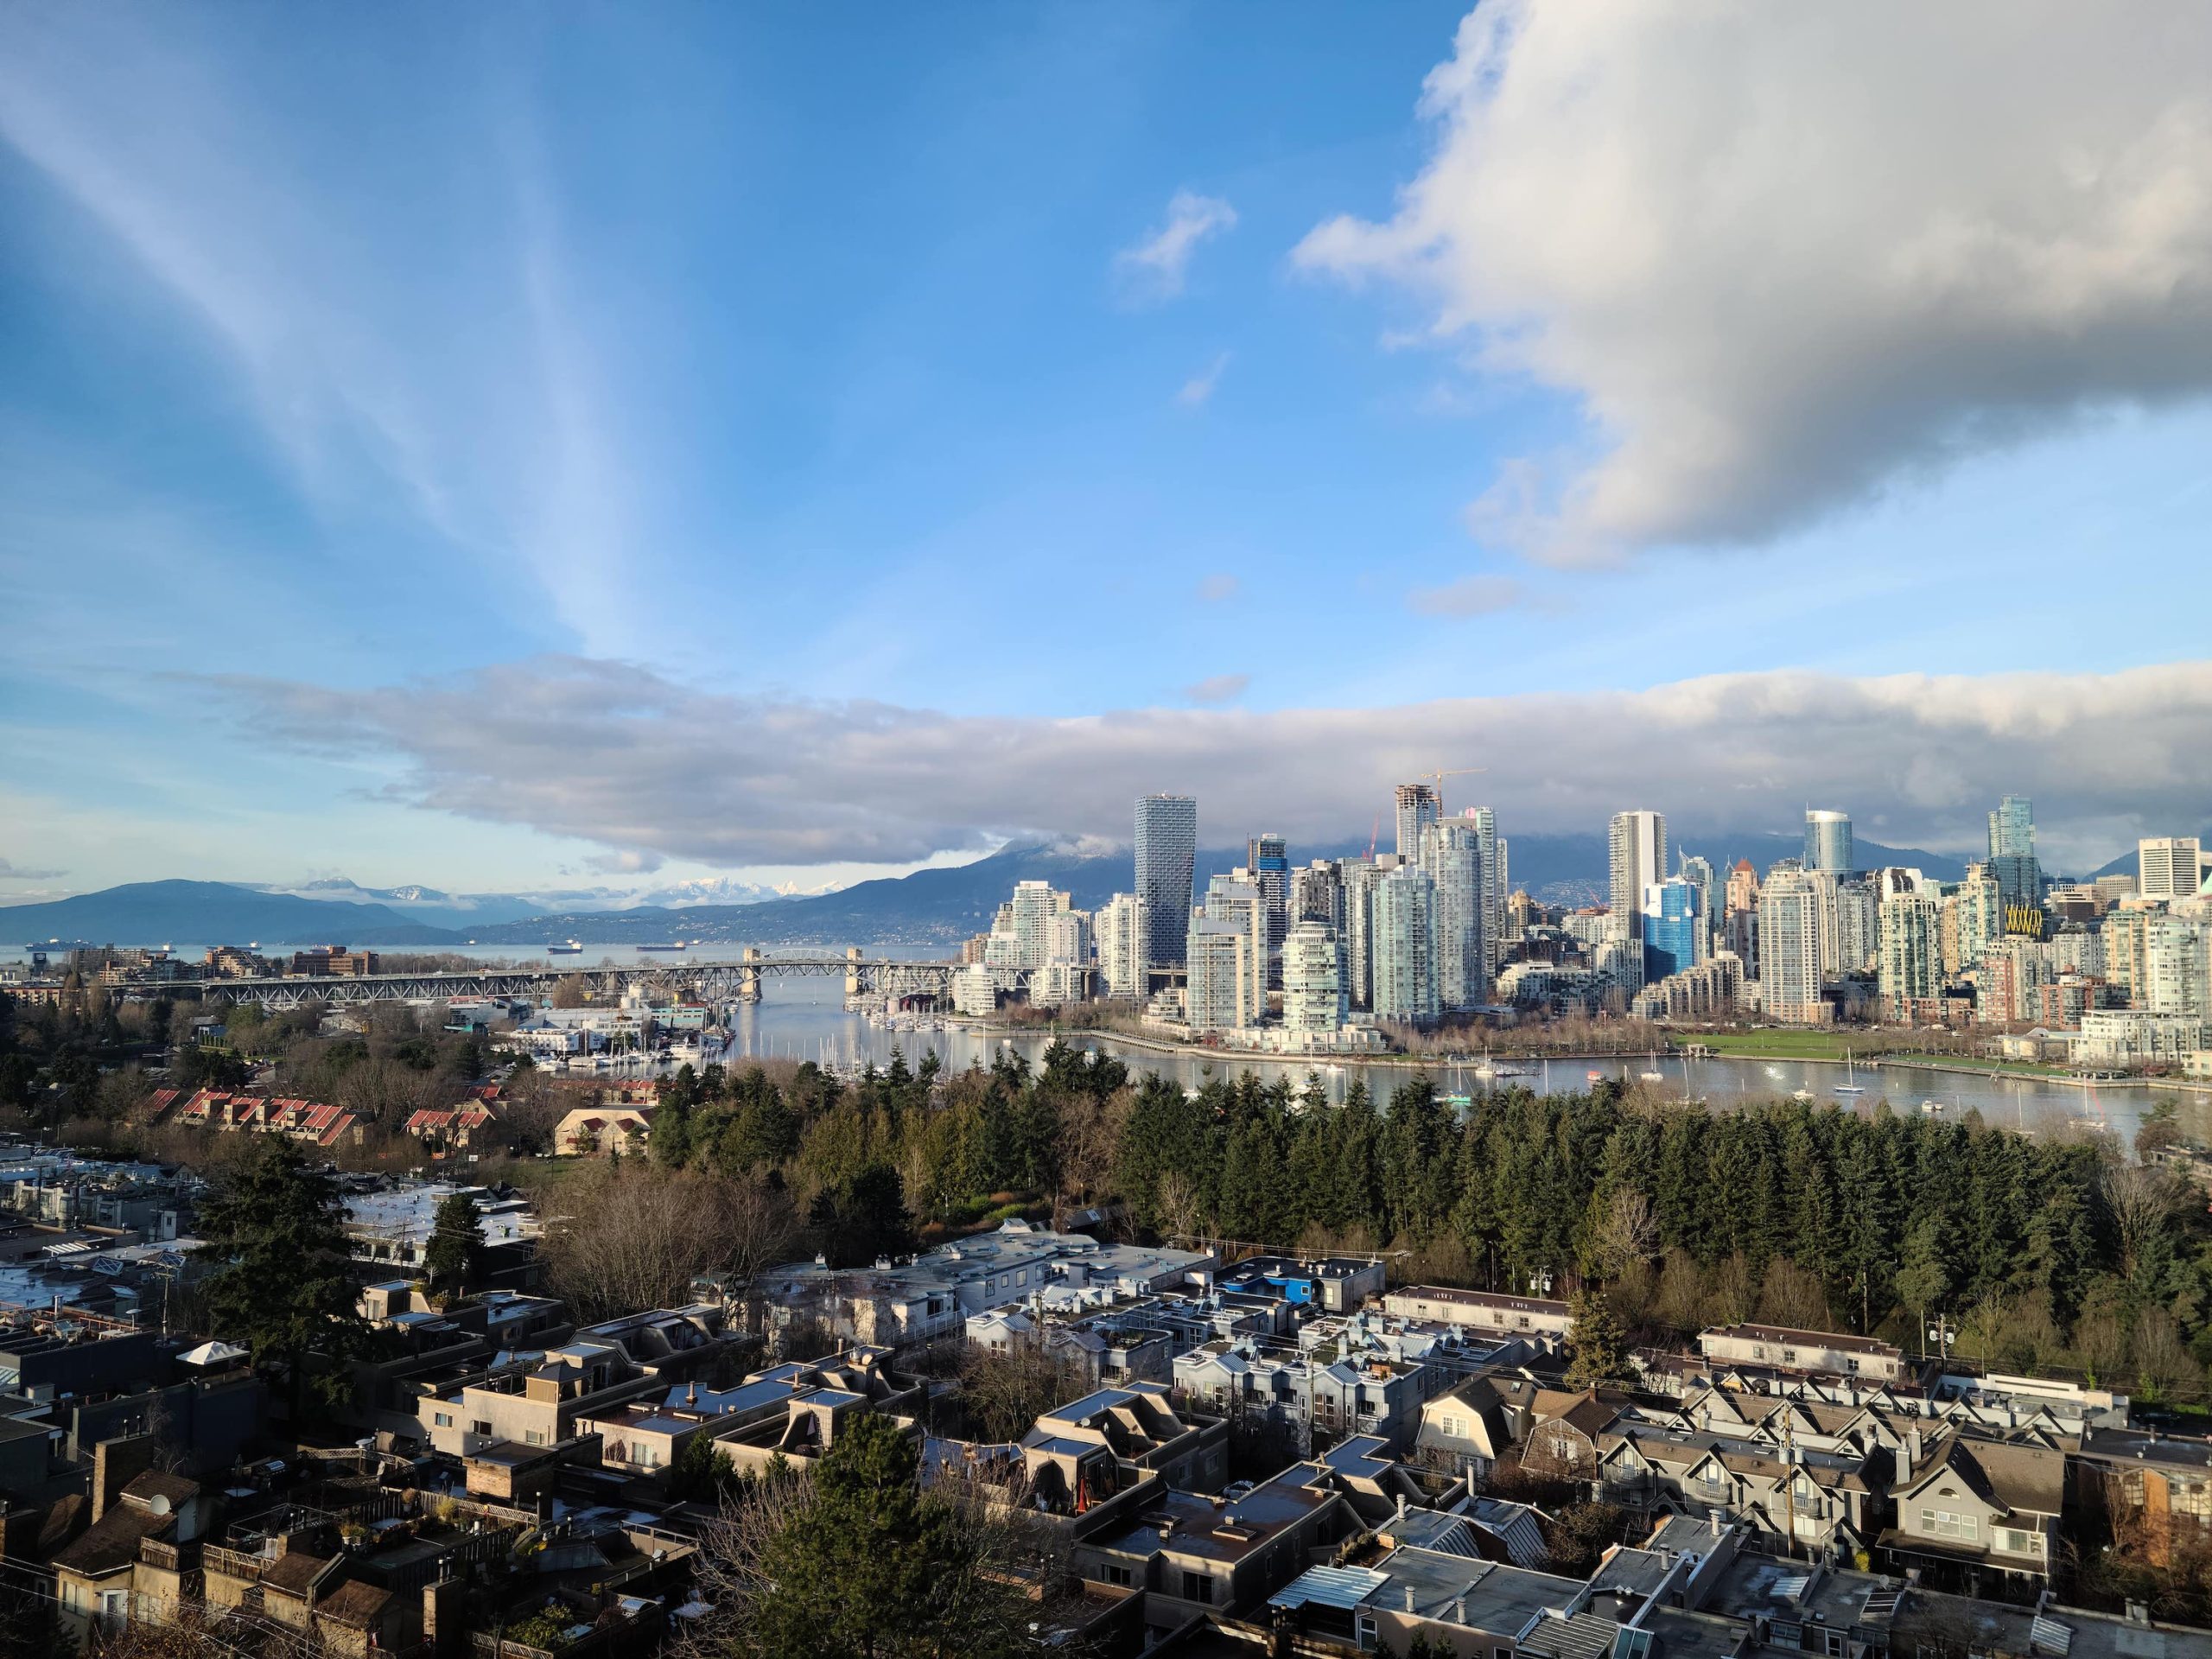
(1408, 1062)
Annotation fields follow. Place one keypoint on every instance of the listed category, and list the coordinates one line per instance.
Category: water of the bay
(805, 1019)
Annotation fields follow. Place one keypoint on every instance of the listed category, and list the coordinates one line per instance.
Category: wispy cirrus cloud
(17, 873)
(1198, 390)
(618, 755)
(1155, 267)
(402, 387)
(1774, 297)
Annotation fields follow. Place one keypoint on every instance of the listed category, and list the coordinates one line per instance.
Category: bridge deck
(707, 979)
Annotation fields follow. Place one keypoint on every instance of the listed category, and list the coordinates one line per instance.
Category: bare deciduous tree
(637, 1238)
(1792, 1298)
(1176, 1197)
(1005, 1393)
(2142, 1201)
(1626, 1231)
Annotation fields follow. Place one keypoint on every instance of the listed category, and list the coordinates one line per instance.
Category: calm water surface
(805, 1019)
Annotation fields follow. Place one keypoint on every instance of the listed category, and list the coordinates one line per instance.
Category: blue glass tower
(1673, 928)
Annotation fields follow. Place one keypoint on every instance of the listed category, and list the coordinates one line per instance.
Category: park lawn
(1780, 1044)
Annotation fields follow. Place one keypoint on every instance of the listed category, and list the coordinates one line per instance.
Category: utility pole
(1789, 1481)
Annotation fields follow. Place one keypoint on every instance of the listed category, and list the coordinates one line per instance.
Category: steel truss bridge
(738, 981)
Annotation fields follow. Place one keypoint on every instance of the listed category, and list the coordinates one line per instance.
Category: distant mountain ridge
(935, 906)
(207, 913)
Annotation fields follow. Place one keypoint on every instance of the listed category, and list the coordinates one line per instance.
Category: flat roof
(1498, 1597)
(1784, 1335)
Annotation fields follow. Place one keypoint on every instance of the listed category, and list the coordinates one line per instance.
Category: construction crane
(1438, 778)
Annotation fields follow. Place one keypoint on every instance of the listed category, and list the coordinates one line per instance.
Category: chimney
(1713, 1520)
(1410, 1598)
(116, 1464)
(1458, 1610)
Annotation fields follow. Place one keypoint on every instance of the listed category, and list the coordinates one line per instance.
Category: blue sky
(505, 447)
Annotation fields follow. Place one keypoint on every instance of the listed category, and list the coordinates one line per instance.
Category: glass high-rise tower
(1166, 848)
(1269, 859)
(1418, 807)
(1673, 928)
(1636, 848)
(1828, 840)
(2012, 852)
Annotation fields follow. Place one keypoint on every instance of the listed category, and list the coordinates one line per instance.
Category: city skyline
(518, 455)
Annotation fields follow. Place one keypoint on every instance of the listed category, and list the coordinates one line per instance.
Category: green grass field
(1779, 1044)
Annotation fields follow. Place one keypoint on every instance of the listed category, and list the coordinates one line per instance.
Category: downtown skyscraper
(1450, 857)
(1268, 858)
(1637, 856)
(1166, 849)
(1828, 840)
(1418, 808)
(2012, 852)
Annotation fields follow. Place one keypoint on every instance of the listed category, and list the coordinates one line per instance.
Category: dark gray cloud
(620, 756)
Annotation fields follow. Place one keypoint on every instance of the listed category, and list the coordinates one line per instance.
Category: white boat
(1774, 1071)
(1801, 1094)
(1850, 1072)
(1652, 1076)
(1931, 1107)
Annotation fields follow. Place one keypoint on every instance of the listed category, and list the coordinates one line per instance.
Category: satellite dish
(160, 1505)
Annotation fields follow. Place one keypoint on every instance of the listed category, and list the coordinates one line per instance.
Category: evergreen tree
(454, 1259)
(703, 1472)
(1923, 1281)
(1596, 1341)
(874, 1568)
(279, 1257)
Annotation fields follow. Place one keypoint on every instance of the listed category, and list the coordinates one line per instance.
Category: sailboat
(1850, 1072)
(1654, 1075)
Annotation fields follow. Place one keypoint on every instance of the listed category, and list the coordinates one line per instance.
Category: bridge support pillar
(853, 970)
(748, 976)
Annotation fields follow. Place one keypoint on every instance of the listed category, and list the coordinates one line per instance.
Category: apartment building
(1481, 1309)
(1366, 1395)
(1194, 1554)
(538, 1399)
(1802, 1350)
(906, 1304)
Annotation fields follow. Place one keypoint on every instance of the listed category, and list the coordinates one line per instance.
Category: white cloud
(12, 873)
(1786, 255)
(1481, 595)
(1155, 267)
(1217, 688)
(618, 756)
(1198, 388)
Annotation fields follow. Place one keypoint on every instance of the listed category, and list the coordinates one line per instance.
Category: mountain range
(930, 907)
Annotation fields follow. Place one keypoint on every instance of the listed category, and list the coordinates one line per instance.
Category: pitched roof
(2007, 1477)
(354, 1603)
(111, 1541)
(294, 1572)
(155, 1483)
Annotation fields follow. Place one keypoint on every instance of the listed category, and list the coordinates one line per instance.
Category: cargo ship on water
(571, 948)
(671, 945)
